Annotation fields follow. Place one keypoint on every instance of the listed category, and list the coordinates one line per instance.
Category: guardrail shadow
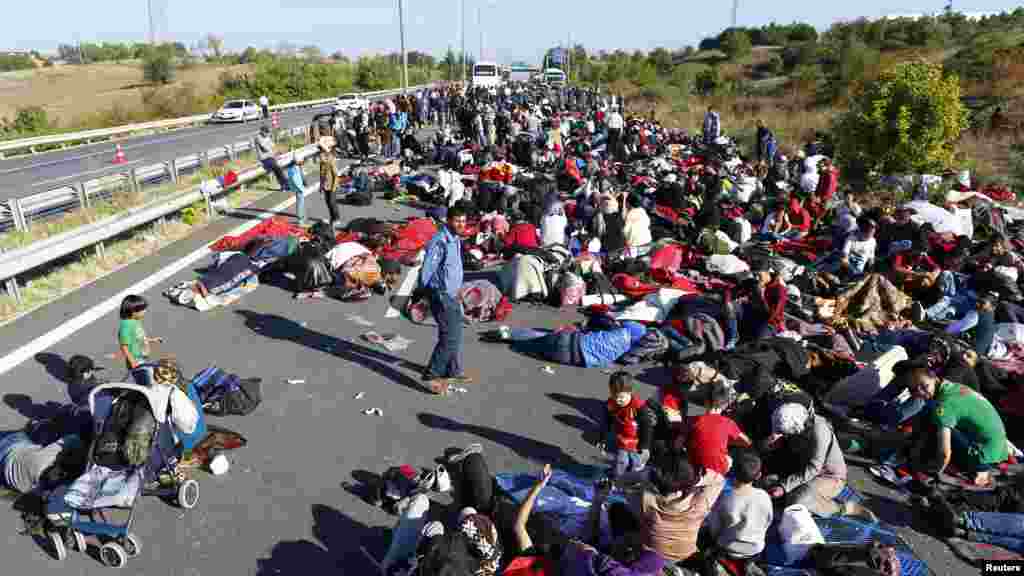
(281, 328)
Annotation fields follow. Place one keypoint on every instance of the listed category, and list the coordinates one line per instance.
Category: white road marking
(66, 329)
(52, 180)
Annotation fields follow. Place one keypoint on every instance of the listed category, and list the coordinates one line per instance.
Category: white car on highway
(351, 103)
(237, 111)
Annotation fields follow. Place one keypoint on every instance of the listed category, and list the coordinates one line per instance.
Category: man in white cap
(820, 476)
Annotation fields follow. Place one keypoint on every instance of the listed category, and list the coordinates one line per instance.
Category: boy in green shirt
(971, 432)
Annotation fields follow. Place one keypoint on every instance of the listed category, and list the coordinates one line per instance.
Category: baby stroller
(132, 455)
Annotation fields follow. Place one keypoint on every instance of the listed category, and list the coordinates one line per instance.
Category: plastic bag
(798, 532)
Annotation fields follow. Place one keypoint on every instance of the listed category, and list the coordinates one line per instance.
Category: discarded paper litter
(391, 342)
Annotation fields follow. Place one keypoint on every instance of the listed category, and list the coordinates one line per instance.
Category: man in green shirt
(971, 432)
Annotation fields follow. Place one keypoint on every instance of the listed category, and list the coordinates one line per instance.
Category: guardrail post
(19, 215)
(12, 285)
(83, 198)
(209, 201)
(204, 159)
(231, 152)
(101, 250)
(172, 169)
(133, 177)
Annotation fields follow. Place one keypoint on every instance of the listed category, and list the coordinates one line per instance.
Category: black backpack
(310, 268)
(223, 394)
(359, 198)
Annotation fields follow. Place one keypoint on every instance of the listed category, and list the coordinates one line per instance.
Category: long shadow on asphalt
(526, 448)
(588, 421)
(281, 328)
(25, 406)
(335, 552)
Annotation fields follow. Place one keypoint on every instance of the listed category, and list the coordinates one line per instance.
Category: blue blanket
(567, 497)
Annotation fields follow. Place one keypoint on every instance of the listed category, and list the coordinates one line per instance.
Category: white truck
(487, 75)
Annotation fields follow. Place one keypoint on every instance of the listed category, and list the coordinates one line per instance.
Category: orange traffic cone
(118, 155)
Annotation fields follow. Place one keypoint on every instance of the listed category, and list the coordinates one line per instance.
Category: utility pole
(463, 35)
(149, 10)
(405, 59)
(480, 26)
(735, 12)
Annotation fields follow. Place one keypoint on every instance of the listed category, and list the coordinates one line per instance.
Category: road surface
(286, 506)
(26, 175)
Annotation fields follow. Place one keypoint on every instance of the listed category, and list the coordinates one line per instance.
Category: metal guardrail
(89, 136)
(16, 262)
(21, 213)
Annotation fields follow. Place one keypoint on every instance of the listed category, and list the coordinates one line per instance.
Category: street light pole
(405, 59)
(463, 34)
(479, 24)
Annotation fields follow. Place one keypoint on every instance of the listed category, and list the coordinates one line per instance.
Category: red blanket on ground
(276, 227)
(410, 239)
(808, 248)
(671, 215)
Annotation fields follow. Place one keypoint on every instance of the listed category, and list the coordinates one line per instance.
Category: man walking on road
(329, 178)
(265, 106)
(441, 278)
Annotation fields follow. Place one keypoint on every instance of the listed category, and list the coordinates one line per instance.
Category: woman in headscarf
(608, 224)
(816, 470)
(553, 223)
(636, 227)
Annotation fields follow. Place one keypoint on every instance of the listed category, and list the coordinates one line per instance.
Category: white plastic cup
(219, 465)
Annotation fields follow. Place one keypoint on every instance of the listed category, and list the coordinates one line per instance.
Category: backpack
(223, 394)
(321, 235)
(598, 283)
(310, 268)
(359, 197)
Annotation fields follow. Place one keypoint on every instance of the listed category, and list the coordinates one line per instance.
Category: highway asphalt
(287, 506)
(31, 174)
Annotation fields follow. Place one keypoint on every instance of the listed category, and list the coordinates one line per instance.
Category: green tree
(736, 44)
(215, 43)
(661, 59)
(907, 121)
(708, 81)
(853, 64)
(29, 121)
(15, 62)
(248, 56)
(158, 65)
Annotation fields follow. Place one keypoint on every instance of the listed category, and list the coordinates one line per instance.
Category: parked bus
(487, 75)
(554, 77)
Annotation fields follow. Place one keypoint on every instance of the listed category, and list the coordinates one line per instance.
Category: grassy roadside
(89, 266)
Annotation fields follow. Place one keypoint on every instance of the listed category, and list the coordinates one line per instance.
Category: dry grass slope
(71, 92)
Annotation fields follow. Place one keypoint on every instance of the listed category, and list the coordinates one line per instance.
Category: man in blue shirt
(441, 278)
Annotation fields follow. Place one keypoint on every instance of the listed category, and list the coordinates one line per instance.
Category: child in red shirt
(624, 425)
(711, 434)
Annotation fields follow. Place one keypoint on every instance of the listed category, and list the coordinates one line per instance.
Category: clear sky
(513, 29)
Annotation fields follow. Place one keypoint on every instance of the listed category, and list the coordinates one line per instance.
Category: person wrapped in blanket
(231, 271)
(358, 271)
(602, 341)
(49, 452)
